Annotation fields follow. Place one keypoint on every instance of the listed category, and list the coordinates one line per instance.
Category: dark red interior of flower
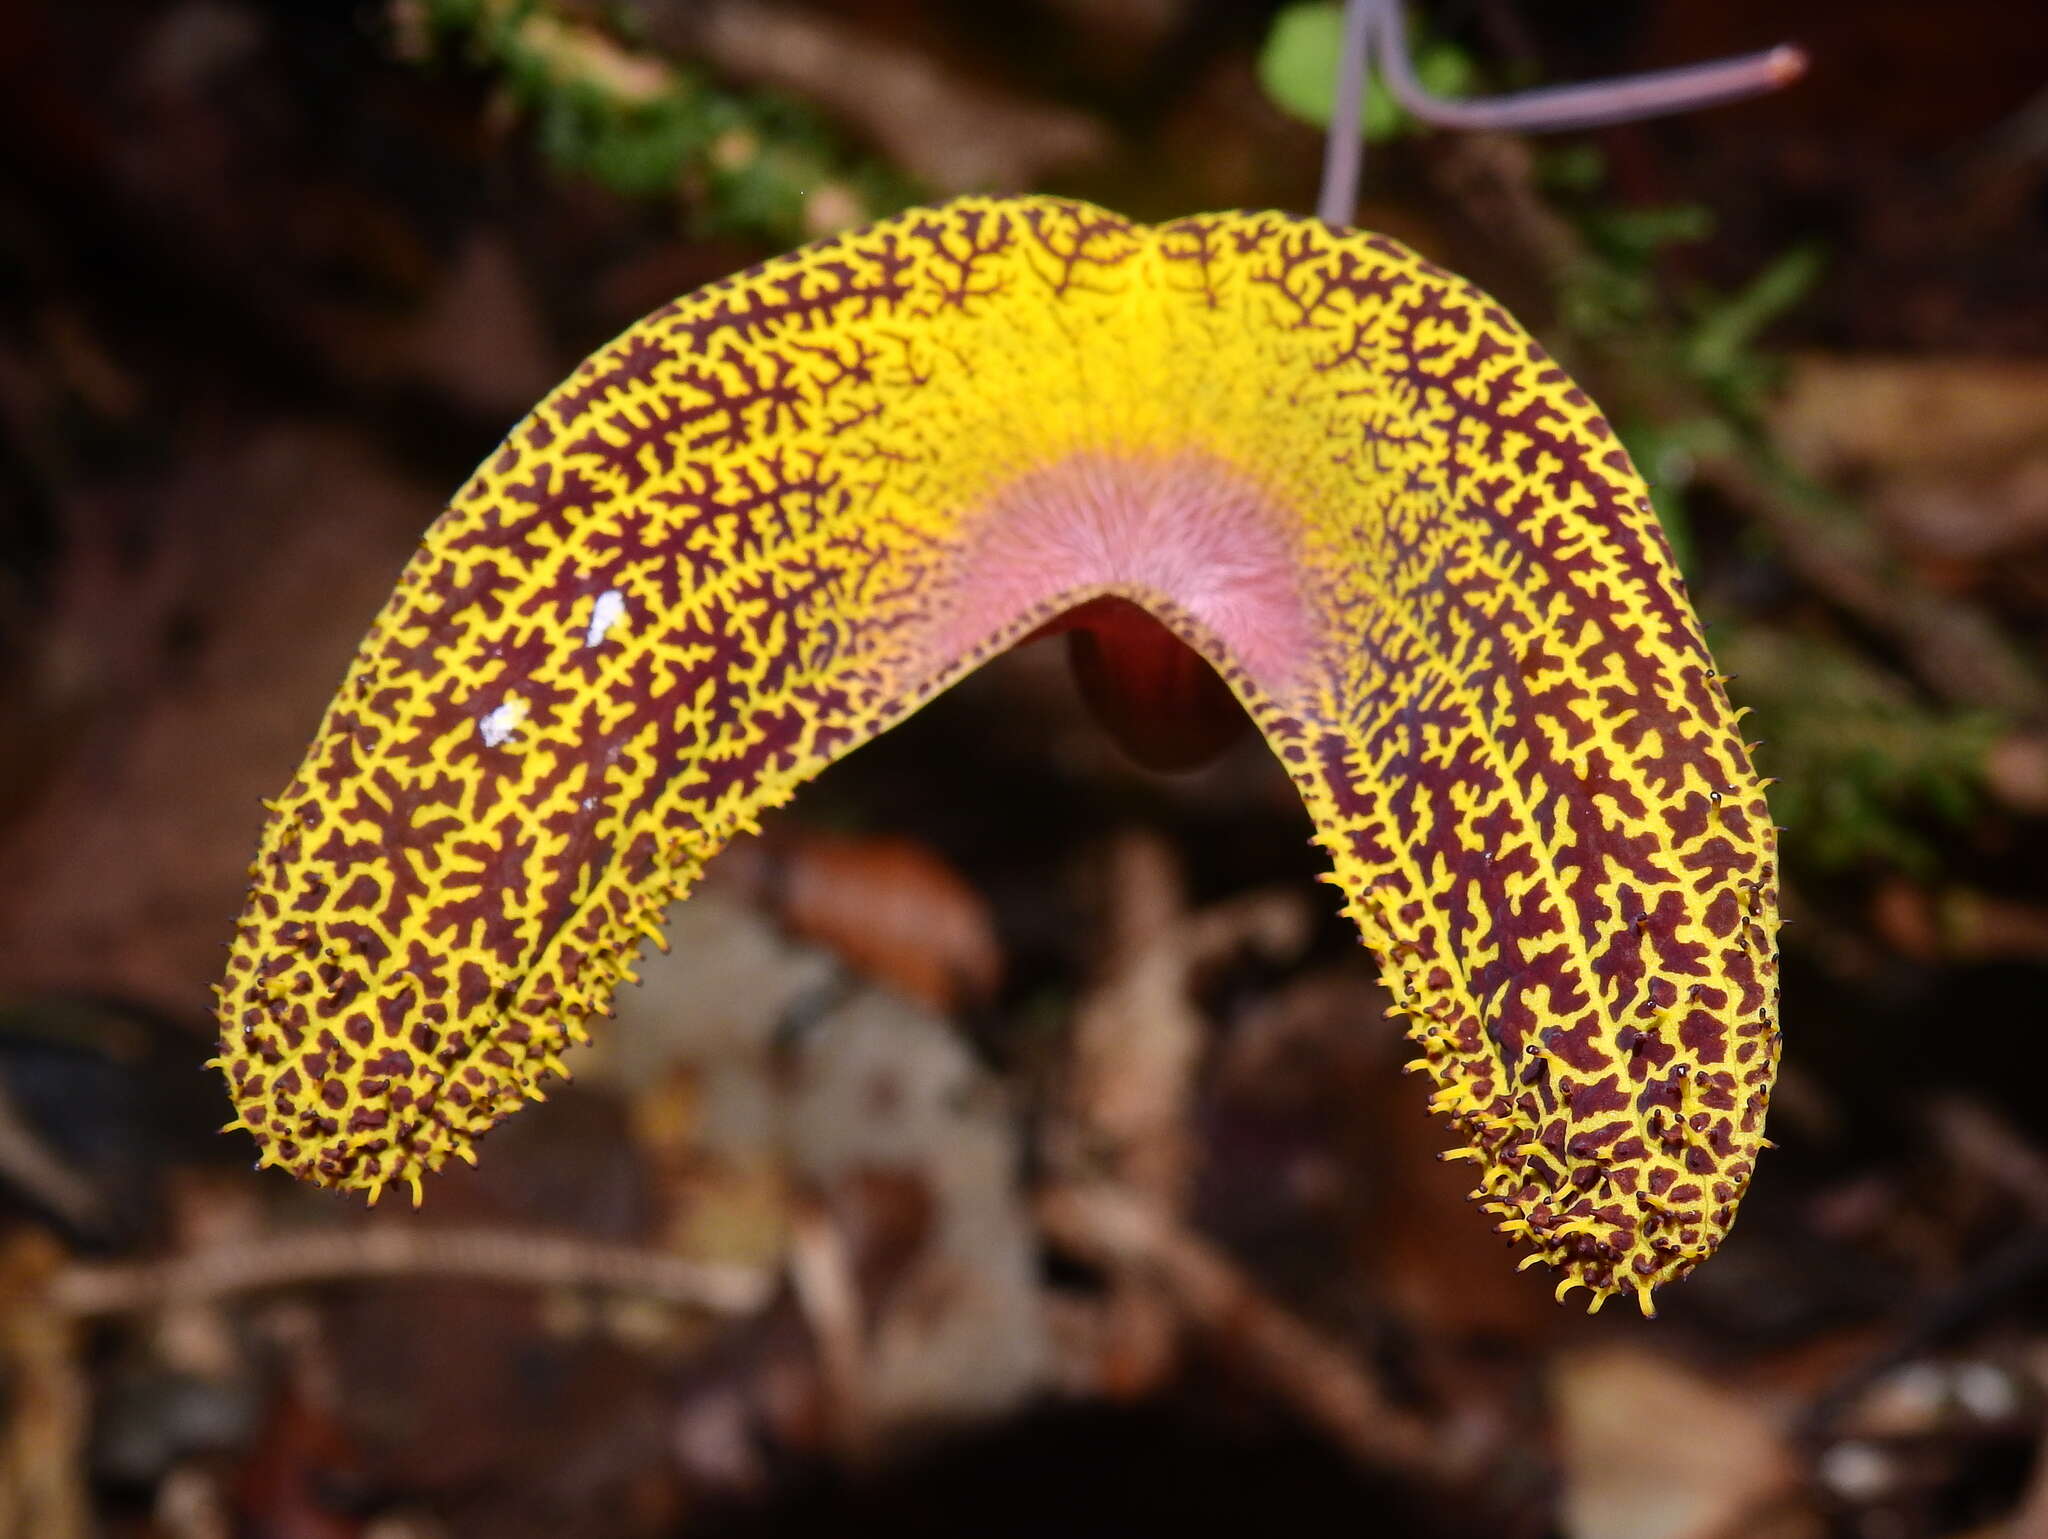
(1158, 697)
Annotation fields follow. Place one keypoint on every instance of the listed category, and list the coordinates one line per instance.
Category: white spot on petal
(499, 725)
(608, 611)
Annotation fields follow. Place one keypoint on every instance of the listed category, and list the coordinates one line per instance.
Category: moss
(644, 126)
(1868, 774)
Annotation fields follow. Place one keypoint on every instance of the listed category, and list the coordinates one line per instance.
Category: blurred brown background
(796, 1253)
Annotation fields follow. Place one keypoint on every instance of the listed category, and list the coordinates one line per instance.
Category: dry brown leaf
(889, 907)
(44, 1421)
(957, 135)
(1893, 415)
(1651, 1449)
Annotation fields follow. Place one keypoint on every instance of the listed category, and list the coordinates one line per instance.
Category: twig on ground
(2030, 1520)
(1138, 1033)
(44, 1432)
(1122, 1112)
(1977, 1138)
(36, 1170)
(1322, 1380)
(2018, 1264)
(1954, 648)
(956, 135)
(391, 1250)
(821, 1275)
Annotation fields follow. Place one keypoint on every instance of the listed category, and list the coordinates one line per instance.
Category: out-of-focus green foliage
(1719, 344)
(646, 126)
(1618, 290)
(1867, 773)
(1616, 297)
(1298, 69)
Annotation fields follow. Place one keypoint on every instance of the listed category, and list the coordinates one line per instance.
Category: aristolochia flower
(779, 515)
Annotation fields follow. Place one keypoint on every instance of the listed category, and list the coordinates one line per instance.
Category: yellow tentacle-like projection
(780, 514)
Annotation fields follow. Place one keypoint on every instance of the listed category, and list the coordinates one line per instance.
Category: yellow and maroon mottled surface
(778, 515)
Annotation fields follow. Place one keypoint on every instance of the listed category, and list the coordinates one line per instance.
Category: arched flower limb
(777, 516)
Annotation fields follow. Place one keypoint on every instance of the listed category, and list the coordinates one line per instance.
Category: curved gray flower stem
(1376, 27)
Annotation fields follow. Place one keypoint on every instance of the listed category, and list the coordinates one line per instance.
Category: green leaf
(1725, 330)
(1298, 70)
